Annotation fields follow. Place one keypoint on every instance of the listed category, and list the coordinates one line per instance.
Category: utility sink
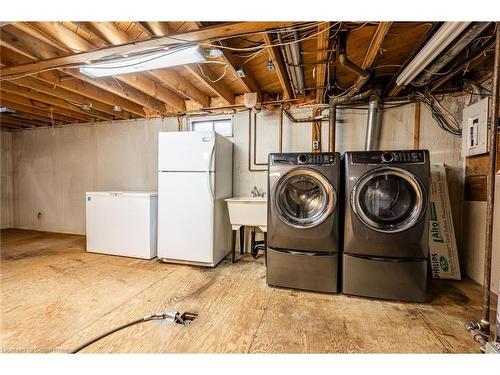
(249, 211)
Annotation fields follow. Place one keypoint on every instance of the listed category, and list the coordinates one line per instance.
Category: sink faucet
(257, 193)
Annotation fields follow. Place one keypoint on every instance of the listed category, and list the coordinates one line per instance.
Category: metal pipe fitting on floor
(475, 330)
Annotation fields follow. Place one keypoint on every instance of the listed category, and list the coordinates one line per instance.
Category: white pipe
(441, 39)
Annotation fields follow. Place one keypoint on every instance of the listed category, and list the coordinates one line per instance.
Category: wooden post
(416, 127)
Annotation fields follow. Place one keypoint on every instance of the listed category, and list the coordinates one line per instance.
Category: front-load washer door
(304, 198)
(388, 200)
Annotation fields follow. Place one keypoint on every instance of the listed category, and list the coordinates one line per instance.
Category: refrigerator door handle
(211, 157)
(210, 190)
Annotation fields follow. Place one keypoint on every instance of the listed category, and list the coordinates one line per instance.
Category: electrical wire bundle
(443, 117)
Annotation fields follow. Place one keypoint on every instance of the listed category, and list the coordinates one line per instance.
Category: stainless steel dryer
(385, 243)
(303, 221)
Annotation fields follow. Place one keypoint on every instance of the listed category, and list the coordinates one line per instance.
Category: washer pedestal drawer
(401, 279)
(301, 270)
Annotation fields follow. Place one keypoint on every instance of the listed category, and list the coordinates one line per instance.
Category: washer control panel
(306, 158)
(389, 157)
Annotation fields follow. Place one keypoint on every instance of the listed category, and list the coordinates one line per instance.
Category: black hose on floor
(176, 318)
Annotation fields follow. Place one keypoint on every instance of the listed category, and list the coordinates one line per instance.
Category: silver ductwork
(373, 123)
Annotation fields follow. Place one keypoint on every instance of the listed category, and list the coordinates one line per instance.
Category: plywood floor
(55, 296)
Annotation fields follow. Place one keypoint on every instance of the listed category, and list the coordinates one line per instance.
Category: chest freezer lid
(118, 193)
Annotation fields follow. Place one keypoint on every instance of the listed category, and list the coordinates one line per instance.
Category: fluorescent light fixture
(147, 61)
(440, 40)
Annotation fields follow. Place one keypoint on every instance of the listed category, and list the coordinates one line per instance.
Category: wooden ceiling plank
(90, 91)
(43, 106)
(375, 44)
(28, 45)
(221, 89)
(153, 88)
(392, 88)
(159, 28)
(202, 35)
(48, 99)
(321, 57)
(28, 28)
(374, 47)
(280, 68)
(178, 83)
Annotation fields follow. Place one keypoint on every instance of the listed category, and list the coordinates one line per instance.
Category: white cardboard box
(443, 254)
(122, 223)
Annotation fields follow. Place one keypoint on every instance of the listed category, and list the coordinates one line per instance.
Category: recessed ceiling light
(117, 108)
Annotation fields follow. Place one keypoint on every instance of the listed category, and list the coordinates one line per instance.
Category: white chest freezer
(122, 223)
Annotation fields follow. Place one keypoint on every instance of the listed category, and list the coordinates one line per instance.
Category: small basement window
(222, 125)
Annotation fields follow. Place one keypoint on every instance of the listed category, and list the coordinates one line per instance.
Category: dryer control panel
(389, 157)
(320, 158)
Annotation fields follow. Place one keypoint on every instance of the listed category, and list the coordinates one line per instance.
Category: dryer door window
(304, 198)
(388, 200)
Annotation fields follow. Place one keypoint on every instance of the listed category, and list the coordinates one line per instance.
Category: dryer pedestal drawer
(307, 271)
(403, 280)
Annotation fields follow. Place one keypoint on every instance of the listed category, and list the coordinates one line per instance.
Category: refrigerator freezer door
(186, 151)
(186, 217)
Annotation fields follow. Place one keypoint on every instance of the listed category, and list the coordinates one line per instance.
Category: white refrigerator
(194, 178)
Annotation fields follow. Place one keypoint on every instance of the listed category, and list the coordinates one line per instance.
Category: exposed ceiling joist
(159, 28)
(207, 76)
(112, 85)
(73, 39)
(280, 68)
(392, 88)
(374, 48)
(35, 111)
(202, 35)
(248, 82)
(71, 97)
(321, 57)
(141, 81)
(49, 99)
(43, 118)
(14, 98)
(16, 123)
(180, 84)
(80, 87)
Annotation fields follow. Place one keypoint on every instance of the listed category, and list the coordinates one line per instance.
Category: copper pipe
(281, 130)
